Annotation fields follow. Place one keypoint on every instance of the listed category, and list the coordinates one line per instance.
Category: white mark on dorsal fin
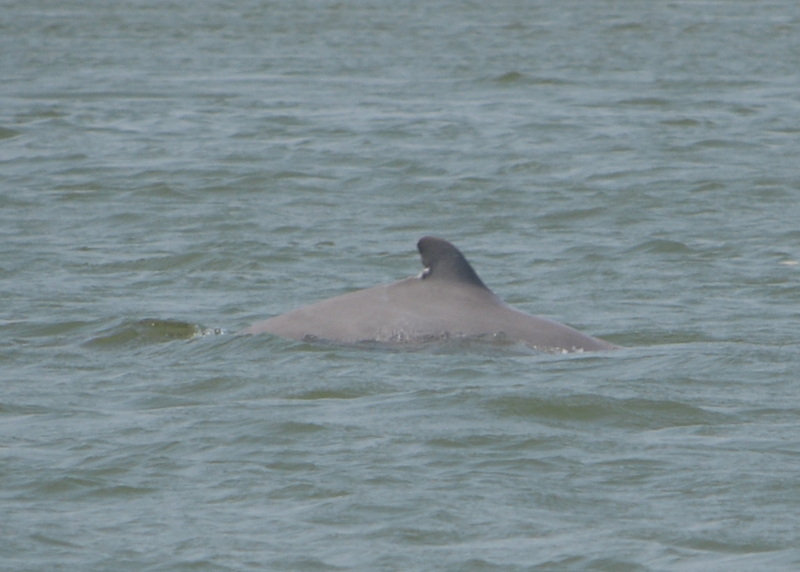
(443, 261)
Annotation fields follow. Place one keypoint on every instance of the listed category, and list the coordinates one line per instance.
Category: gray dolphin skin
(447, 300)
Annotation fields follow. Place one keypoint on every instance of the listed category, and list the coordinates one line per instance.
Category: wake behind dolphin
(447, 300)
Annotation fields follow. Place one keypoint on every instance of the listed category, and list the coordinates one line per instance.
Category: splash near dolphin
(447, 300)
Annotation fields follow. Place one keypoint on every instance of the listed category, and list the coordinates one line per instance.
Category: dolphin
(447, 300)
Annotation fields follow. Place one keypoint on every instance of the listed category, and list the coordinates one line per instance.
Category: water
(173, 172)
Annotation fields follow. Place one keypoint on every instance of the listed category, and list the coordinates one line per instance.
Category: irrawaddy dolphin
(447, 300)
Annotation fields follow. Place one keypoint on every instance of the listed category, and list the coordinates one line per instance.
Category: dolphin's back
(447, 300)
(401, 311)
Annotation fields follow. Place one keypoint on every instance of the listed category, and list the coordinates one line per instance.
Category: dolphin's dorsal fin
(443, 261)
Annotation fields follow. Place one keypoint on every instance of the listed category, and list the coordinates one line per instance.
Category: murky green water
(173, 172)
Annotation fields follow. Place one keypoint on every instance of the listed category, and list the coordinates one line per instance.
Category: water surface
(172, 172)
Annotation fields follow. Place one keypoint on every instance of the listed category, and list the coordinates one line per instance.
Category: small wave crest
(148, 331)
